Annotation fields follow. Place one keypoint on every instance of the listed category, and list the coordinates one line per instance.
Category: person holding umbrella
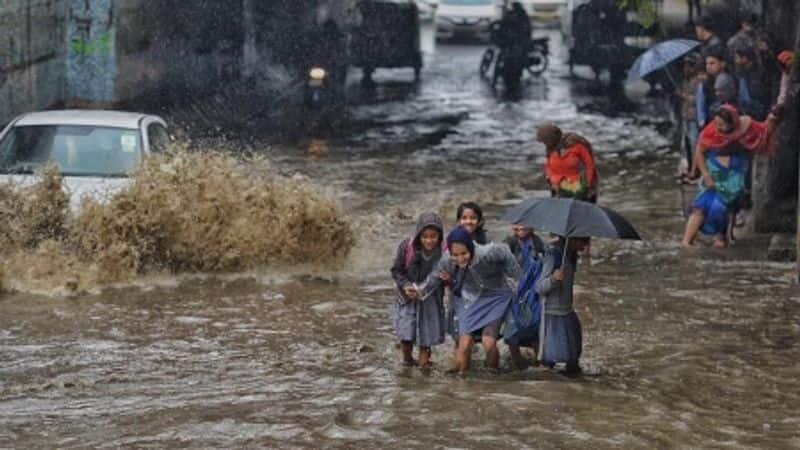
(563, 338)
(560, 334)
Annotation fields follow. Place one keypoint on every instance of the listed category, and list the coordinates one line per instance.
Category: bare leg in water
(407, 347)
(464, 352)
(517, 359)
(692, 227)
(492, 353)
(424, 357)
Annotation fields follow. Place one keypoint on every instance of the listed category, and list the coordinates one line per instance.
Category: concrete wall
(166, 49)
(32, 55)
(101, 52)
(91, 52)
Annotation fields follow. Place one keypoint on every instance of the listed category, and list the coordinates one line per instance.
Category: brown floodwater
(682, 348)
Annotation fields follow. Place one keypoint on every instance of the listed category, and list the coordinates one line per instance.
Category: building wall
(32, 55)
(101, 52)
(166, 49)
(91, 56)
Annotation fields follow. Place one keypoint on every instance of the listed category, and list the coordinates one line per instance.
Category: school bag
(526, 310)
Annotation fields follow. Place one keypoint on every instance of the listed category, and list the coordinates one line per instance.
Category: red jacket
(569, 164)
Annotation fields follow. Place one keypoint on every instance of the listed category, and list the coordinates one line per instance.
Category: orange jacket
(570, 164)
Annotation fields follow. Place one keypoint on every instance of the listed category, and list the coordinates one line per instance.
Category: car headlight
(317, 73)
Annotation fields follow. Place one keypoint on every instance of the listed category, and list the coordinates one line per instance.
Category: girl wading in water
(479, 276)
(419, 320)
(561, 333)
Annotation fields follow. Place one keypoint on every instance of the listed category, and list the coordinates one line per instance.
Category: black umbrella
(569, 218)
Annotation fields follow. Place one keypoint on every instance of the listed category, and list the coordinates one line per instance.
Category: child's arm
(434, 280)
(399, 271)
(538, 246)
(545, 284)
(511, 268)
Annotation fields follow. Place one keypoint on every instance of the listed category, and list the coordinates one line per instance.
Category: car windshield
(77, 150)
(467, 2)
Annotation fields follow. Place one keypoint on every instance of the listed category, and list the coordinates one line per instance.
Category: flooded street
(682, 348)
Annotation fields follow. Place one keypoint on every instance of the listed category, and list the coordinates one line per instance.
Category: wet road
(683, 349)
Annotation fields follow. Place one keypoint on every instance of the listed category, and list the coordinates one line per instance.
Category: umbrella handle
(542, 322)
(672, 80)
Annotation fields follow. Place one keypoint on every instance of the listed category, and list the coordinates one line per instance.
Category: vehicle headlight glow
(317, 73)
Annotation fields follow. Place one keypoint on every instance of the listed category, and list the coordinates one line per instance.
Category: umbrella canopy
(659, 56)
(571, 218)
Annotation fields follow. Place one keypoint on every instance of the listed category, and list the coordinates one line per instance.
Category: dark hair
(747, 52)
(716, 51)
(706, 22)
(722, 113)
(473, 206)
(766, 36)
(480, 233)
(695, 60)
(749, 17)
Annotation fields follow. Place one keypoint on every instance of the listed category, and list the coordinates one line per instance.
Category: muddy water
(683, 349)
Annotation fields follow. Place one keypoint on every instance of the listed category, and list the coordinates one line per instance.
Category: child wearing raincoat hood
(483, 279)
(419, 319)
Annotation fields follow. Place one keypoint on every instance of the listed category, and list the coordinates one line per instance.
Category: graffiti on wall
(91, 55)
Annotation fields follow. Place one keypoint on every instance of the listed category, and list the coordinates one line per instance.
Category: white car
(466, 18)
(427, 10)
(546, 10)
(95, 151)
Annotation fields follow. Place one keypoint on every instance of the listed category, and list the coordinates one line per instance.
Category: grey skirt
(563, 339)
(420, 322)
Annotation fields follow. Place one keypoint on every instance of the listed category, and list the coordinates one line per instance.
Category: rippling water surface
(683, 349)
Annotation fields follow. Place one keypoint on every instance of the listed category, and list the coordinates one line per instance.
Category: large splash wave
(182, 212)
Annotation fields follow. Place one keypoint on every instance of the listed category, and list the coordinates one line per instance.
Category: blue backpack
(526, 309)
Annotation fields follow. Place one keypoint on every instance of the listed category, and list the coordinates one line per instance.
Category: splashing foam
(183, 212)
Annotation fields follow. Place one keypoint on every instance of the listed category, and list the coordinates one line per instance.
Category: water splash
(184, 211)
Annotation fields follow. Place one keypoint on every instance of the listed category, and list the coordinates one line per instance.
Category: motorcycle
(511, 59)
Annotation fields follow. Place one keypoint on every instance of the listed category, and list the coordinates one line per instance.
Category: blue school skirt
(490, 307)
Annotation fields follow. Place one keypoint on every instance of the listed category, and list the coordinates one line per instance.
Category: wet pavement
(682, 348)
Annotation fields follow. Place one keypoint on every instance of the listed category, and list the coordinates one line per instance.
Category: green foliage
(101, 46)
(647, 10)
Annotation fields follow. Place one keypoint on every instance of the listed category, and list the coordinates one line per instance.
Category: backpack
(526, 310)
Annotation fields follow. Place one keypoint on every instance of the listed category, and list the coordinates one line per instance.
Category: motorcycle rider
(515, 27)
(329, 51)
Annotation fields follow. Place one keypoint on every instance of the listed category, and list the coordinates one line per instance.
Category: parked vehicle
(427, 10)
(466, 18)
(599, 36)
(95, 151)
(386, 34)
(546, 10)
